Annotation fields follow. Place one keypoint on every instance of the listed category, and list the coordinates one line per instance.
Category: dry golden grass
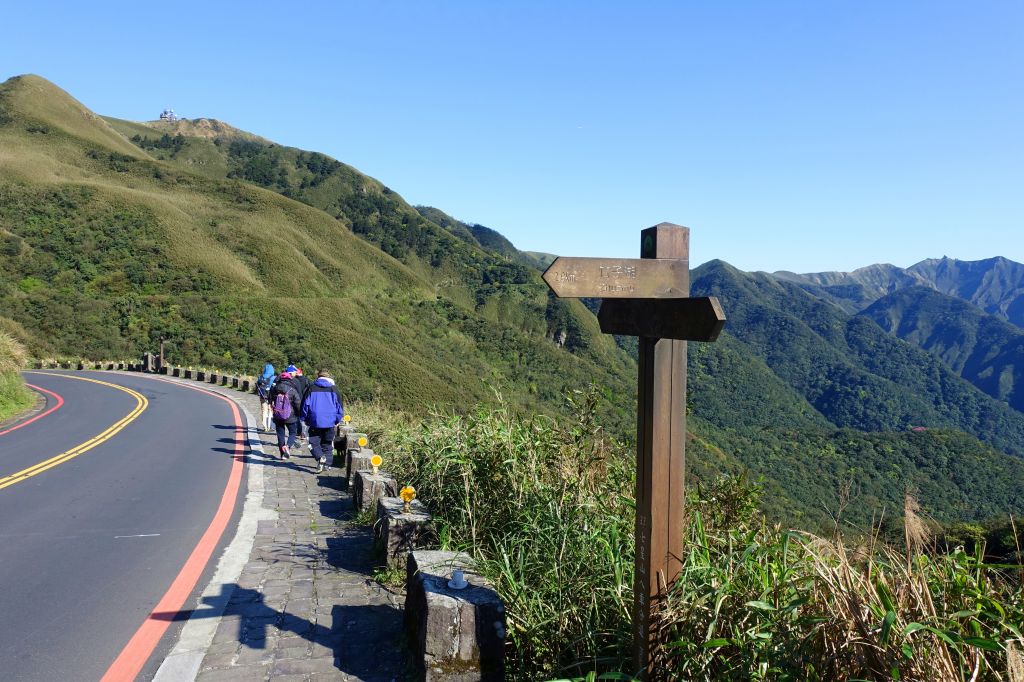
(41, 101)
(793, 605)
(247, 238)
(12, 354)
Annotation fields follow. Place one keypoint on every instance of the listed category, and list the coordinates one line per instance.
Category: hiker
(263, 386)
(302, 383)
(322, 411)
(286, 402)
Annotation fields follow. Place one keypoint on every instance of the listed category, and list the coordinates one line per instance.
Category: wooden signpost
(649, 298)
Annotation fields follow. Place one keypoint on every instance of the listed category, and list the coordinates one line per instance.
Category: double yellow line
(39, 468)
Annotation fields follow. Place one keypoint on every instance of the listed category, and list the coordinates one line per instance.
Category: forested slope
(109, 248)
(238, 250)
(981, 348)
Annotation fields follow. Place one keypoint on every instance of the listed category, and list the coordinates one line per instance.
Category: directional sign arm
(686, 319)
(618, 277)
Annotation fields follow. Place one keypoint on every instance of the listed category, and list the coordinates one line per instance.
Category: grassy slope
(473, 266)
(112, 248)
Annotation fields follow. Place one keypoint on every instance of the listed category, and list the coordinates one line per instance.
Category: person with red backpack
(286, 404)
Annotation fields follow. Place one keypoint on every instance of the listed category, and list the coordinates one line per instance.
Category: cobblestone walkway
(305, 607)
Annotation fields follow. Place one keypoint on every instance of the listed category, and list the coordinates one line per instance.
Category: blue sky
(802, 136)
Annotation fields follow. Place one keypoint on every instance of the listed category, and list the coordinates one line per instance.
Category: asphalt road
(90, 545)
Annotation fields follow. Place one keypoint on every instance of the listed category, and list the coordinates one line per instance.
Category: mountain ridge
(239, 250)
(982, 348)
(995, 285)
(111, 248)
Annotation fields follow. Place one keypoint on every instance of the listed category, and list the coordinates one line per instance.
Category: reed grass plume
(547, 509)
(12, 354)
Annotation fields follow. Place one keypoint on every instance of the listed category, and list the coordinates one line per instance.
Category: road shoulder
(293, 595)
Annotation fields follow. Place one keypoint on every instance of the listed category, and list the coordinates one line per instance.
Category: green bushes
(547, 509)
(14, 397)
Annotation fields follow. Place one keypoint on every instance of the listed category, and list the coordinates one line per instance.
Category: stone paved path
(305, 606)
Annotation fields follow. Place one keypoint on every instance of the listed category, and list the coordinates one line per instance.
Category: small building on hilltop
(168, 115)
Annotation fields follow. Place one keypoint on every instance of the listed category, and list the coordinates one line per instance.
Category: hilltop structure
(168, 115)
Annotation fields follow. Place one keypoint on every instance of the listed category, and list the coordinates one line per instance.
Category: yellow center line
(106, 435)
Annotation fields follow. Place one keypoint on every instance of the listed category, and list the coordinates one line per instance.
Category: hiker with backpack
(302, 383)
(263, 385)
(286, 403)
(322, 411)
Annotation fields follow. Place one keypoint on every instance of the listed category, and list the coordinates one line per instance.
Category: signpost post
(649, 298)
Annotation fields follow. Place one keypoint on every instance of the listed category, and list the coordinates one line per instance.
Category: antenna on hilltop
(168, 115)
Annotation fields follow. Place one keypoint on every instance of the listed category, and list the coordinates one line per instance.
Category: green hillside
(478, 235)
(109, 248)
(981, 348)
(473, 265)
(848, 368)
(239, 250)
(540, 259)
(745, 417)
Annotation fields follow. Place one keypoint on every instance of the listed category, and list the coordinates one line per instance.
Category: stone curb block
(398, 532)
(356, 461)
(455, 635)
(369, 488)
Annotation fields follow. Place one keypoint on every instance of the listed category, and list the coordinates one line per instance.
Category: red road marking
(140, 647)
(60, 401)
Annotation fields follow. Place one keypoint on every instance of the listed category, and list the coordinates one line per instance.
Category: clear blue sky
(788, 135)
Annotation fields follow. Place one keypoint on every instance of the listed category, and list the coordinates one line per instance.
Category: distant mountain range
(995, 285)
(969, 314)
(981, 348)
(238, 249)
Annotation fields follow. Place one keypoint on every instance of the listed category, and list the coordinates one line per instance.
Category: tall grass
(547, 509)
(14, 397)
(758, 602)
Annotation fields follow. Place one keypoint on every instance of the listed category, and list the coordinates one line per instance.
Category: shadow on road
(351, 628)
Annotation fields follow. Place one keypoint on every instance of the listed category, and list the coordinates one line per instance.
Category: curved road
(91, 542)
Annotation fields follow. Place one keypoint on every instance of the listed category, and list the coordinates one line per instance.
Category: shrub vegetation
(14, 397)
(547, 508)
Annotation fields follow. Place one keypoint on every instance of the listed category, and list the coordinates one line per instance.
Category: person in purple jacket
(322, 411)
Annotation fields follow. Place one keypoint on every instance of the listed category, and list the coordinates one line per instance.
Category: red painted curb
(60, 401)
(140, 647)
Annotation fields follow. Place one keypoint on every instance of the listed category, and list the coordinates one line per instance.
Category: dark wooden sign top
(618, 277)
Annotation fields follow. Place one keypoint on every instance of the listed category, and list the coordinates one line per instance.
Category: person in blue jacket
(322, 411)
(263, 385)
